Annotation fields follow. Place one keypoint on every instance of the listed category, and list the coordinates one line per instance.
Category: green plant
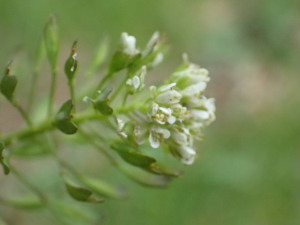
(169, 118)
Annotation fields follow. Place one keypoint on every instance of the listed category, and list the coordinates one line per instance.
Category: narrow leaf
(144, 177)
(133, 157)
(102, 188)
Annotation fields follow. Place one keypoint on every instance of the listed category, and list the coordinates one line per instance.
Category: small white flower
(181, 113)
(157, 135)
(165, 94)
(182, 136)
(194, 89)
(127, 43)
(161, 114)
(157, 60)
(184, 153)
(137, 82)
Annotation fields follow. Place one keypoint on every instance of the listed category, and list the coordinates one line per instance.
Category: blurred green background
(247, 172)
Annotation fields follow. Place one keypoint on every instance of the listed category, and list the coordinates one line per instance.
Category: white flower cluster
(180, 111)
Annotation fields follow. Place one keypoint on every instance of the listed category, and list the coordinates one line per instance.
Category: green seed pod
(51, 41)
(71, 63)
(80, 193)
(8, 85)
(101, 103)
(132, 156)
(63, 121)
(104, 189)
(4, 164)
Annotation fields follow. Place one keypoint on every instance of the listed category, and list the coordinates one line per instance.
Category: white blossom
(165, 94)
(127, 44)
(157, 135)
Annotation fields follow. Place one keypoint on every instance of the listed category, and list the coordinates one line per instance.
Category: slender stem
(52, 91)
(71, 85)
(28, 184)
(102, 82)
(23, 113)
(99, 147)
(117, 92)
(124, 99)
(32, 90)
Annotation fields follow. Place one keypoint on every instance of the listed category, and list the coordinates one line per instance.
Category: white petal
(171, 119)
(130, 43)
(153, 142)
(165, 110)
(166, 133)
(165, 97)
(200, 114)
(136, 82)
(180, 138)
(166, 87)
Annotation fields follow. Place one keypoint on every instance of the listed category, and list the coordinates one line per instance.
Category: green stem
(117, 92)
(28, 184)
(102, 82)
(124, 99)
(103, 149)
(71, 85)
(32, 90)
(52, 91)
(23, 113)
(47, 125)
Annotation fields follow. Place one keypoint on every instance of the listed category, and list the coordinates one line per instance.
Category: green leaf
(51, 41)
(133, 157)
(33, 147)
(2, 161)
(143, 177)
(99, 56)
(71, 63)
(63, 121)
(101, 103)
(104, 189)
(80, 193)
(161, 168)
(8, 85)
(70, 214)
(27, 202)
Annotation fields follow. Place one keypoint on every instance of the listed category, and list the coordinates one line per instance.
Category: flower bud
(165, 94)
(184, 153)
(136, 84)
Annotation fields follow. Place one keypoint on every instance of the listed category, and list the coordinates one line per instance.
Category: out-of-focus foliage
(248, 167)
